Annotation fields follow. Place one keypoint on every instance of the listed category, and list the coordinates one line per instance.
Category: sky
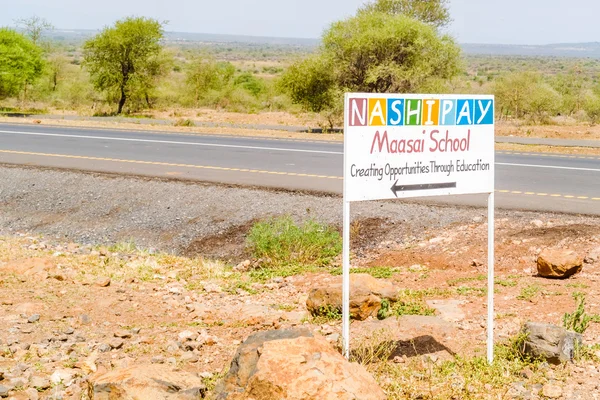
(475, 21)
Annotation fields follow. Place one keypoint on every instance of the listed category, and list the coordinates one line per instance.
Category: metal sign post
(417, 145)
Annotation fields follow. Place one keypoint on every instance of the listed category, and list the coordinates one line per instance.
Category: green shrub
(184, 122)
(578, 321)
(282, 242)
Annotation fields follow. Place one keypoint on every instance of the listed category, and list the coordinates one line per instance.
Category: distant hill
(75, 35)
(575, 50)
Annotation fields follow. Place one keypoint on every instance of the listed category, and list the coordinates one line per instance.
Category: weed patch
(281, 242)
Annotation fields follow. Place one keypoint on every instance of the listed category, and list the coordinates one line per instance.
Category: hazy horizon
(511, 22)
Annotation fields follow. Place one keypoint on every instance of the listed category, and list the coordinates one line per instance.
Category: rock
(593, 256)
(212, 288)
(148, 382)
(116, 343)
(103, 281)
(558, 263)
(4, 391)
(104, 348)
(187, 335)
(123, 334)
(33, 318)
(294, 365)
(550, 342)
(366, 294)
(448, 310)
(40, 383)
(32, 394)
(62, 376)
(552, 391)
(189, 357)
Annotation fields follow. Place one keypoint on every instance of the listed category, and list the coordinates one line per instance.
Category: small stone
(537, 223)
(104, 348)
(32, 394)
(103, 282)
(4, 391)
(172, 347)
(187, 335)
(205, 375)
(62, 376)
(33, 318)
(40, 383)
(527, 373)
(136, 331)
(157, 360)
(123, 334)
(85, 319)
(212, 288)
(69, 331)
(189, 357)
(552, 390)
(116, 343)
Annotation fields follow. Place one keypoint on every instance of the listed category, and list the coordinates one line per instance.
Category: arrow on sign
(427, 186)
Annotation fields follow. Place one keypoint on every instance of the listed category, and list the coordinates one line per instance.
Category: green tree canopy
(125, 58)
(205, 74)
(431, 12)
(377, 52)
(310, 83)
(20, 62)
(372, 52)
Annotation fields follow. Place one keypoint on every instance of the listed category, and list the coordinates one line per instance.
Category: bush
(184, 122)
(281, 242)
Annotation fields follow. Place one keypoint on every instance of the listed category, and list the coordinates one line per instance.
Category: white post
(490, 303)
(346, 282)
(346, 248)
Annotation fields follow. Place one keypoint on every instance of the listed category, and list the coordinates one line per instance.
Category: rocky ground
(77, 302)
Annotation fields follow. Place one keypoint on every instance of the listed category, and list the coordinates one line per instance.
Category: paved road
(530, 181)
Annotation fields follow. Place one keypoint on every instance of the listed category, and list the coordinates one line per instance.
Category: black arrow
(425, 186)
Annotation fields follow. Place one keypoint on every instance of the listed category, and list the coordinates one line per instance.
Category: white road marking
(549, 166)
(172, 142)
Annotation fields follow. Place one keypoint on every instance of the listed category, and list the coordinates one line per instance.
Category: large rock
(366, 294)
(294, 365)
(558, 263)
(550, 342)
(146, 382)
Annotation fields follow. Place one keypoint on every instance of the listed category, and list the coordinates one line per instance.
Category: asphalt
(529, 181)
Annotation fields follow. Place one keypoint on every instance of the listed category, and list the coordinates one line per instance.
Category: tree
(378, 53)
(431, 12)
(204, 75)
(310, 83)
(20, 62)
(125, 58)
(526, 94)
(34, 27)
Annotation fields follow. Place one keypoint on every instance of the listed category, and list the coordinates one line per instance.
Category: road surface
(530, 181)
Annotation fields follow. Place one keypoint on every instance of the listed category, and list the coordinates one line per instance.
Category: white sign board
(400, 146)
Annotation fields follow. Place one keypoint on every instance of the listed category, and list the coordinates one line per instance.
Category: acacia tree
(34, 27)
(371, 52)
(20, 62)
(378, 52)
(431, 12)
(125, 57)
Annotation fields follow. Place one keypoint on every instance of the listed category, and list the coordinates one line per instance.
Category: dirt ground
(84, 324)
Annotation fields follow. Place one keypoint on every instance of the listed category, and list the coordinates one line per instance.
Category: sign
(400, 146)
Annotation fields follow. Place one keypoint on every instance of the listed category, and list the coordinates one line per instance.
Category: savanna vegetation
(131, 68)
